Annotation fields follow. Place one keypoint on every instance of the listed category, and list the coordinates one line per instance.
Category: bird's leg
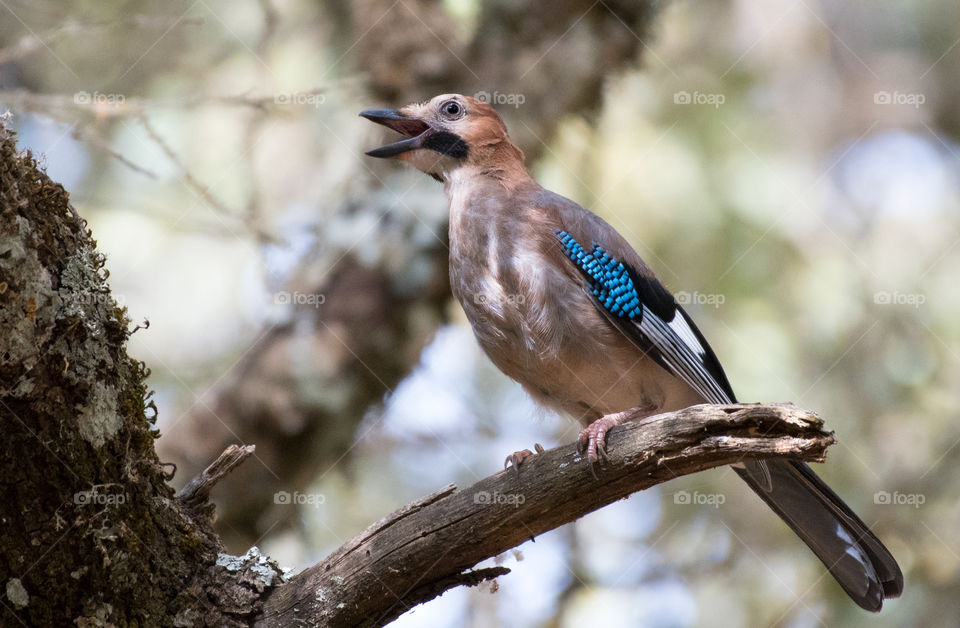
(593, 438)
(517, 457)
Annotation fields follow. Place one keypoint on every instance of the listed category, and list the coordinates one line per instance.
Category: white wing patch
(684, 358)
(680, 325)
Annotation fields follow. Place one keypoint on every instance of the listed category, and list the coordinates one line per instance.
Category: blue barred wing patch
(649, 315)
(610, 281)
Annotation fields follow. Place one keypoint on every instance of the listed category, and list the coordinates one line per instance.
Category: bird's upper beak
(415, 129)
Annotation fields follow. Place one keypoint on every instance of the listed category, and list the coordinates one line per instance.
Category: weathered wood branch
(431, 545)
(196, 493)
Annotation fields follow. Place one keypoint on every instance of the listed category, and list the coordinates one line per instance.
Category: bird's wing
(634, 301)
(627, 293)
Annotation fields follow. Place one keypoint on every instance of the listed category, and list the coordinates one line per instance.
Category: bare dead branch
(92, 135)
(431, 545)
(195, 494)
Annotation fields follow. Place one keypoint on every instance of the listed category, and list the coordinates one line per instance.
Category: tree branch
(197, 491)
(429, 546)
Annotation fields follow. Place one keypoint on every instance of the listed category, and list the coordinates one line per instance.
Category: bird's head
(445, 133)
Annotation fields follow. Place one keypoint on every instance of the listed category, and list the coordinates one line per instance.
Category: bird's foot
(517, 457)
(593, 438)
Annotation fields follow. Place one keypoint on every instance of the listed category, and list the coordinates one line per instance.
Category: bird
(561, 303)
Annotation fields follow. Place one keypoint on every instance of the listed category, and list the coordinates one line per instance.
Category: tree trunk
(91, 532)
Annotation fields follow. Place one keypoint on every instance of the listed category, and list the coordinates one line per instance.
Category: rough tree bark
(90, 531)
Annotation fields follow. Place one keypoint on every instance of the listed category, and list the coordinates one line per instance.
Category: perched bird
(561, 303)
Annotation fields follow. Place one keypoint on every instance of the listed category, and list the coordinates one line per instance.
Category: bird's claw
(517, 457)
(593, 439)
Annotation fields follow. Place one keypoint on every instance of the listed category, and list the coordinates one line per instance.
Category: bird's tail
(852, 554)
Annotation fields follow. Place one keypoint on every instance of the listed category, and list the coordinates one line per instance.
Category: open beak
(415, 130)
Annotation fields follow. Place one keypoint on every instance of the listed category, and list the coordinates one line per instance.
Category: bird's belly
(565, 354)
(587, 386)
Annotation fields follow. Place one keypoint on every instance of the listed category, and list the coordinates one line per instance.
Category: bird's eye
(452, 109)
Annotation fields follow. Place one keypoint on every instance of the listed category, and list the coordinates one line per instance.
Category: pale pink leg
(517, 457)
(593, 438)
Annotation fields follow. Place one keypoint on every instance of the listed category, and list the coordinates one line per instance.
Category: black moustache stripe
(448, 144)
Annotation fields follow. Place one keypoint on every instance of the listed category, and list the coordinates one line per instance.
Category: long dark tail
(853, 555)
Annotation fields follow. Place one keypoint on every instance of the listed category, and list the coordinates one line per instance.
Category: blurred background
(788, 168)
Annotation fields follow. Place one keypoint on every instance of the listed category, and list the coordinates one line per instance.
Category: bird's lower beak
(414, 129)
